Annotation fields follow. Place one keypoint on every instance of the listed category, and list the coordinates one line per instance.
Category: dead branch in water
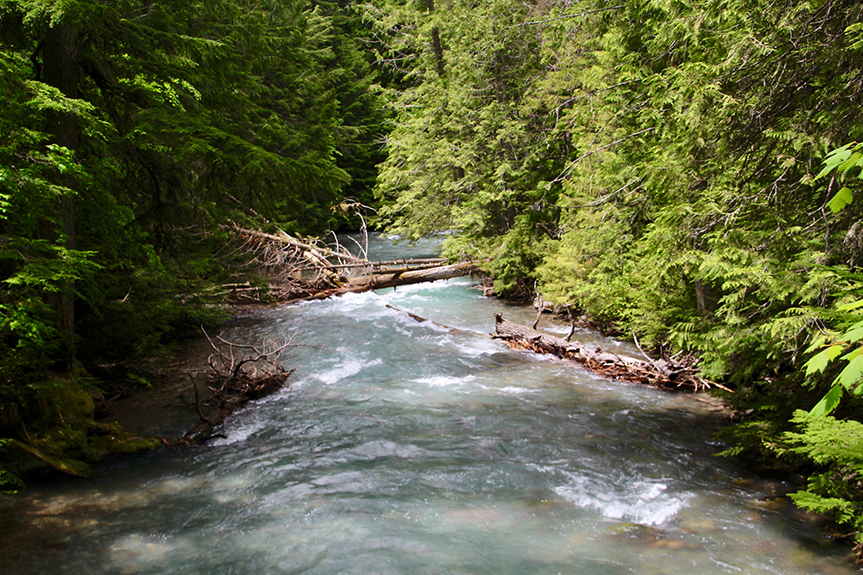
(312, 270)
(239, 373)
(289, 257)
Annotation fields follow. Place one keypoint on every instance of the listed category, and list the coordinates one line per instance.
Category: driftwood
(312, 270)
(664, 373)
(238, 374)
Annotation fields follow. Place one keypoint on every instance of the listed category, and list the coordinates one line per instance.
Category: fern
(837, 447)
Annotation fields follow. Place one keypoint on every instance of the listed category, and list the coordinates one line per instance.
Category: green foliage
(655, 202)
(10, 483)
(362, 110)
(836, 447)
(186, 117)
(464, 154)
(848, 379)
(132, 131)
(843, 161)
(828, 441)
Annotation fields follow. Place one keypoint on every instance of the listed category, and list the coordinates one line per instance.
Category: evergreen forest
(681, 172)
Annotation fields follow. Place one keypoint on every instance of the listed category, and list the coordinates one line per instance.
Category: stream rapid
(407, 447)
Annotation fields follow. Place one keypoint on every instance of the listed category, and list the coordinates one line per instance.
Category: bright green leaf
(828, 403)
(842, 198)
(852, 372)
(850, 162)
(850, 306)
(819, 361)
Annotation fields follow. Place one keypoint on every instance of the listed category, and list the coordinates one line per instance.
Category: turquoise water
(410, 447)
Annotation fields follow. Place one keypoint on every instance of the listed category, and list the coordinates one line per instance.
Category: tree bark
(60, 70)
(437, 46)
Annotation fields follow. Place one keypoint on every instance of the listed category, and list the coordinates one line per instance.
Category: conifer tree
(461, 156)
(132, 130)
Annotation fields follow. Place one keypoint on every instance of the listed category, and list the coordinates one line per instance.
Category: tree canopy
(132, 131)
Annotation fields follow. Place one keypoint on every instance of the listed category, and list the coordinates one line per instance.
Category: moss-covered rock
(59, 431)
(109, 438)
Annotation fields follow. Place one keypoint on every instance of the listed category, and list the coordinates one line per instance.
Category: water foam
(517, 390)
(350, 366)
(237, 429)
(444, 380)
(643, 501)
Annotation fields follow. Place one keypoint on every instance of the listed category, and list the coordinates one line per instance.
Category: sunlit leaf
(816, 343)
(835, 158)
(842, 198)
(819, 362)
(853, 334)
(828, 403)
(852, 372)
(850, 162)
(850, 306)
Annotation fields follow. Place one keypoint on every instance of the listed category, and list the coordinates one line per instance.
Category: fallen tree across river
(664, 373)
(309, 269)
(398, 278)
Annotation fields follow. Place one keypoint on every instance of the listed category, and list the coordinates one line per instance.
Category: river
(405, 447)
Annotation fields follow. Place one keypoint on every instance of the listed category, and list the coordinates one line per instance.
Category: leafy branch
(844, 161)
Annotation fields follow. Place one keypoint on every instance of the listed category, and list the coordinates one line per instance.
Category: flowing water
(406, 447)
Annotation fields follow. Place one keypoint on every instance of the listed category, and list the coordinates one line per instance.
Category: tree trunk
(391, 280)
(60, 70)
(437, 47)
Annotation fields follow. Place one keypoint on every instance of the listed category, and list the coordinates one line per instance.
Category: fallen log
(399, 278)
(395, 279)
(389, 265)
(336, 270)
(421, 319)
(290, 256)
(663, 373)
